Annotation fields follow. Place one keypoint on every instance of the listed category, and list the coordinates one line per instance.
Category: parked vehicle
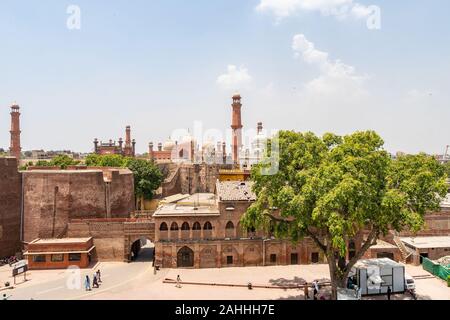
(409, 282)
(376, 276)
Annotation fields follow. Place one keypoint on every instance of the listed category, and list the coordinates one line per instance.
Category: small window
(74, 256)
(229, 259)
(39, 258)
(196, 226)
(57, 258)
(315, 257)
(273, 258)
(174, 226)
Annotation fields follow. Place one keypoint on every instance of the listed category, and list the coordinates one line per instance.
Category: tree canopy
(447, 168)
(147, 177)
(62, 161)
(110, 160)
(336, 188)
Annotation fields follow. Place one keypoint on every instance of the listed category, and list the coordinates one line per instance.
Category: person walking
(316, 288)
(389, 291)
(95, 281)
(87, 283)
(178, 281)
(306, 291)
(99, 278)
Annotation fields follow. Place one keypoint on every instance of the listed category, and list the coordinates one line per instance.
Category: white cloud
(338, 8)
(336, 78)
(235, 78)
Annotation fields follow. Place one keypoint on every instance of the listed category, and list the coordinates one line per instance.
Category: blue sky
(161, 65)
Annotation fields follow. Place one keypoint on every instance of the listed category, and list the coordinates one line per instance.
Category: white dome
(168, 145)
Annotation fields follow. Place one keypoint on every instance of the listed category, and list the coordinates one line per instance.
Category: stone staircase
(406, 253)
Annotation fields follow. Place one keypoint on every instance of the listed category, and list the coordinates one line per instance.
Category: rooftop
(199, 204)
(383, 262)
(427, 242)
(235, 191)
(383, 245)
(60, 241)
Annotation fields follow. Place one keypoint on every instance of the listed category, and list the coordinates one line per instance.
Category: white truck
(375, 276)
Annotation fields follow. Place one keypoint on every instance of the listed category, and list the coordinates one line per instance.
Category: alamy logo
(73, 281)
(74, 19)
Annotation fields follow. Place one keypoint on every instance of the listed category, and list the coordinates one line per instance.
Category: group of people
(96, 280)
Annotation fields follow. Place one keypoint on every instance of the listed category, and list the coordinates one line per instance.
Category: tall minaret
(15, 148)
(128, 137)
(236, 125)
(129, 145)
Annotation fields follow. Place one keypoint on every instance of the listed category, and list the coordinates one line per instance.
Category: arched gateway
(185, 258)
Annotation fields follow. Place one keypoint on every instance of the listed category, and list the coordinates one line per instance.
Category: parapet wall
(10, 203)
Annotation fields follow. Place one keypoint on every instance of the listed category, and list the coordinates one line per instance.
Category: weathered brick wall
(436, 224)
(109, 238)
(10, 203)
(244, 252)
(122, 194)
(198, 178)
(52, 198)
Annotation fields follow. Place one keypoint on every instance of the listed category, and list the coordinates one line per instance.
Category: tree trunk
(142, 203)
(337, 276)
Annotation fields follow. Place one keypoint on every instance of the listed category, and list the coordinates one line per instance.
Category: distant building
(119, 148)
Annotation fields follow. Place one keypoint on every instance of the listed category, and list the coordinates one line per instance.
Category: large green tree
(147, 178)
(333, 189)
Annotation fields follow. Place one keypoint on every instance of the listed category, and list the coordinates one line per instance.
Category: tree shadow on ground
(282, 282)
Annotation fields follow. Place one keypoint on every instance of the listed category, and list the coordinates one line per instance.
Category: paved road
(69, 285)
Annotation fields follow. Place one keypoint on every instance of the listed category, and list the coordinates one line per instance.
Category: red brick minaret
(236, 125)
(129, 149)
(15, 148)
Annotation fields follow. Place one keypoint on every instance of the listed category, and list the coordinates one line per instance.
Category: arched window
(196, 226)
(207, 226)
(163, 227)
(174, 226)
(185, 226)
(229, 230)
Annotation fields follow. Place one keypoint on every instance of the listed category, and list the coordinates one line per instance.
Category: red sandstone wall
(79, 195)
(109, 238)
(122, 195)
(10, 199)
